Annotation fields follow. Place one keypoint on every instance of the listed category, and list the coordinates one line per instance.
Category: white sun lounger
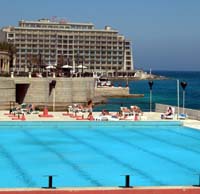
(182, 116)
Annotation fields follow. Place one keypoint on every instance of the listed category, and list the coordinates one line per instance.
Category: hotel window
(10, 35)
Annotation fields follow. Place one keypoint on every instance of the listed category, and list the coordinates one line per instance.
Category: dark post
(53, 85)
(199, 181)
(78, 62)
(150, 84)
(40, 61)
(150, 96)
(50, 183)
(127, 182)
(197, 185)
(183, 84)
(10, 107)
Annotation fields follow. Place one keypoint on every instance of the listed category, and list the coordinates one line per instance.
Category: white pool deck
(58, 116)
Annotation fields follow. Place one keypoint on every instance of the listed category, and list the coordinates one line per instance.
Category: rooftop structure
(4, 61)
(45, 42)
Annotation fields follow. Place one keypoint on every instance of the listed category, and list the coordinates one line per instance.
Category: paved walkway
(58, 116)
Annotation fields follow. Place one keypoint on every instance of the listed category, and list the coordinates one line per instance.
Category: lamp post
(183, 84)
(150, 96)
(52, 88)
(177, 98)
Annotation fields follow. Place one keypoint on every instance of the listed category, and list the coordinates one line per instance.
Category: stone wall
(112, 91)
(40, 91)
(7, 90)
(67, 90)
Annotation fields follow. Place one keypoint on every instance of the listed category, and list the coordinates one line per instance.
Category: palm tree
(4, 46)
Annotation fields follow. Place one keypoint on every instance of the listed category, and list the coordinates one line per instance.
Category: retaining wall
(40, 90)
(7, 90)
(112, 91)
(192, 114)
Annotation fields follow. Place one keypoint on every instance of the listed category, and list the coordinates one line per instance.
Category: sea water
(163, 91)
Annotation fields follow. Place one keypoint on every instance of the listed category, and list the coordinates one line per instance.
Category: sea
(163, 92)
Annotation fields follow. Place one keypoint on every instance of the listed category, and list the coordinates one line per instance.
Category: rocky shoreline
(139, 76)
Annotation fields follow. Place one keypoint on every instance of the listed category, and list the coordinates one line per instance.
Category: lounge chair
(24, 108)
(125, 111)
(182, 116)
(106, 118)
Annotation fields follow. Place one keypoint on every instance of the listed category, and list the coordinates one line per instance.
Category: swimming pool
(90, 154)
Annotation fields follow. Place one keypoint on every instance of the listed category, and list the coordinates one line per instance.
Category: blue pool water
(83, 154)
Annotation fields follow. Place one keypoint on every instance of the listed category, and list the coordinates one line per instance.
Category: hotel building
(46, 42)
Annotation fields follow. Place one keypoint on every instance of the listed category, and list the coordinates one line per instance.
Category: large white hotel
(45, 42)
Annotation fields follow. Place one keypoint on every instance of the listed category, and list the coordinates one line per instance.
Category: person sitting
(119, 115)
(105, 112)
(136, 110)
(168, 113)
(90, 116)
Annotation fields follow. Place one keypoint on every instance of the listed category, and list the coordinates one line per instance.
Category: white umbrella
(50, 67)
(81, 66)
(67, 67)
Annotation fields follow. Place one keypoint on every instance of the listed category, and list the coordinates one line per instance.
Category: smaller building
(4, 62)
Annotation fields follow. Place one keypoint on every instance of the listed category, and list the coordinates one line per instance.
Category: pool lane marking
(84, 174)
(183, 134)
(164, 141)
(27, 179)
(111, 157)
(132, 145)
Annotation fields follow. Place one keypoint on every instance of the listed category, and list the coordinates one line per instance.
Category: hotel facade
(44, 42)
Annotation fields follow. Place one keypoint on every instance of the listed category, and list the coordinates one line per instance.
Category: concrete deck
(58, 116)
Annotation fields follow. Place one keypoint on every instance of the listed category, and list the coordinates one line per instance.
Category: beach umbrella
(81, 67)
(50, 67)
(67, 67)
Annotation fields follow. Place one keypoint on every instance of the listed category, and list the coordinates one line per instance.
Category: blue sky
(165, 33)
